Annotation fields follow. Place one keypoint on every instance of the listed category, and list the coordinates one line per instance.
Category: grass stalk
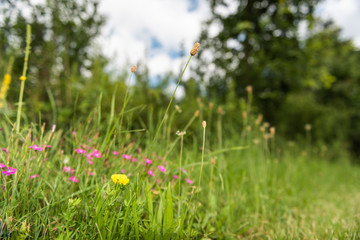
(23, 76)
(168, 107)
(202, 152)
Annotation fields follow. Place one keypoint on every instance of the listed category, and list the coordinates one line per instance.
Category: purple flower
(5, 150)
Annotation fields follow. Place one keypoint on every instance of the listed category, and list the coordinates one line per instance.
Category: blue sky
(158, 31)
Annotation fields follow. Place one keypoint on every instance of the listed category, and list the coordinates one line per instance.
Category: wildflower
(73, 179)
(115, 153)
(175, 177)
(148, 161)
(120, 178)
(189, 181)
(36, 148)
(23, 78)
(79, 150)
(9, 171)
(127, 157)
(196, 113)
(182, 133)
(96, 154)
(90, 162)
(2, 165)
(204, 124)
(53, 128)
(162, 168)
(134, 159)
(133, 69)
(89, 156)
(5, 86)
(123, 171)
(5, 150)
(90, 173)
(66, 169)
(34, 176)
(151, 173)
(195, 49)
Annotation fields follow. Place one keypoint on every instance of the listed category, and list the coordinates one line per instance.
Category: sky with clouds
(157, 31)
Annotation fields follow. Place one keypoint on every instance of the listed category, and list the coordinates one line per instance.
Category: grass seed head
(195, 49)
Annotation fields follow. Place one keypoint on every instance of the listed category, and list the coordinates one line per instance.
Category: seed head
(195, 49)
(272, 130)
(204, 124)
(249, 89)
(196, 114)
(244, 115)
(133, 69)
(307, 127)
(220, 111)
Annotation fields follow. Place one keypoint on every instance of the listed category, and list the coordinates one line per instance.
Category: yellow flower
(5, 86)
(22, 78)
(120, 178)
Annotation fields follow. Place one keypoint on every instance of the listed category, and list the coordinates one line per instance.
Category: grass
(228, 185)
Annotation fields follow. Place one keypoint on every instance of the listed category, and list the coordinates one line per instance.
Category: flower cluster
(120, 178)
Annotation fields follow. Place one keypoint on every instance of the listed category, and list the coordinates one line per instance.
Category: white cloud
(132, 26)
(345, 14)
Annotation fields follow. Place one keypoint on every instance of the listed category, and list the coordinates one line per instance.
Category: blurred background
(301, 58)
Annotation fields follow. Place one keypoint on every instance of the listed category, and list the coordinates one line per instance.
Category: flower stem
(168, 107)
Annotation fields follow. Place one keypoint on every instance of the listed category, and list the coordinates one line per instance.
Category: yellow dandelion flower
(22, 78)
(120, 178)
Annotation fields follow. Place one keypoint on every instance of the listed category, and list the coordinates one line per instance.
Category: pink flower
(96, 154)
(162, 168)
(72, 171)
(90, 173)
(127, 157)
(89, 156)
(5, 150)
(115, 153)
(48, 146)
(123, 171)
(148, 161)
(53, 128)
(90, 162)
(79, 150)
(2, 165)
(134, 159)
(9, 171)
(74, 133)
(189, 181)
(36, 148)
(73, 179)
(151, 173)
(175, 177)
(66, 169)
(34, 176)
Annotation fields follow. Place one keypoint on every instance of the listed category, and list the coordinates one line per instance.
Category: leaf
(169, 212)
(149, 201)
(135, 217)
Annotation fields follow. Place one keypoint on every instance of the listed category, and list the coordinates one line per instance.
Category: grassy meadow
(210, 178)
